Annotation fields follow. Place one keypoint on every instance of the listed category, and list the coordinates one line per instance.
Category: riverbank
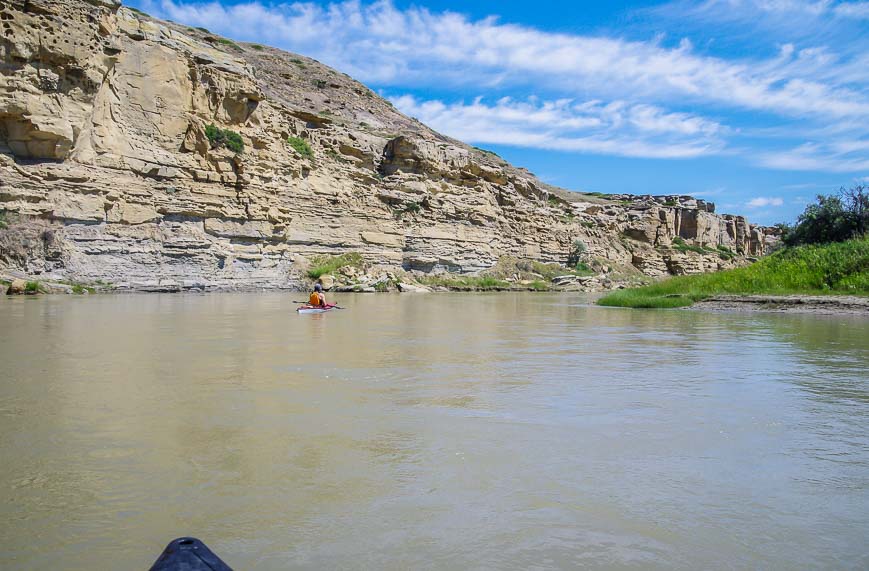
(349, 273)
(803, 273)
(814, 304)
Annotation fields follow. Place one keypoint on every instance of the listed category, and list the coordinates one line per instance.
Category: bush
(301, 146)
(322, 265)
(681, 246)
(577, 250)
(218, 137)
(31, 287)
(257, 47)
(833, 218)
(229, 43)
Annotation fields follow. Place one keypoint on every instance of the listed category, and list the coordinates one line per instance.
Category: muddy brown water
(527, 431)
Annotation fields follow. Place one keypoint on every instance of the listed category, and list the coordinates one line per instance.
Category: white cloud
(615, 128)
(380, 43)
(762, 201)
(856, 10)
(605, 94)
(835, 156)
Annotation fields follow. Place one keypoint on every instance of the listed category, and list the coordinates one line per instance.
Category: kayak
(314, 309)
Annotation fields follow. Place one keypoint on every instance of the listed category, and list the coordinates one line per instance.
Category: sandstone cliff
(108, 172)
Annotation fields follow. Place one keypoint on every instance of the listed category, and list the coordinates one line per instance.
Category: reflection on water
(441, 431)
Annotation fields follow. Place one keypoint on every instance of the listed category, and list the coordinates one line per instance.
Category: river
(442, 431)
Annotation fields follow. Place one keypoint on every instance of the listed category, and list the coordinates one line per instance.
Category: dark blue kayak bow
(188, 554)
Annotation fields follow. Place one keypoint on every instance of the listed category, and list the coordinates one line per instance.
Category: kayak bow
(314, 309)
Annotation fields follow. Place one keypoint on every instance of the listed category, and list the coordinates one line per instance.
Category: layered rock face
(108, 172)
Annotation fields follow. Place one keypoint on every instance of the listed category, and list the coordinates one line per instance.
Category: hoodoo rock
(159, 157)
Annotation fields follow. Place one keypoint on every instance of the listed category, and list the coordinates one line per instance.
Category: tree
(856, 202)
(833, 218)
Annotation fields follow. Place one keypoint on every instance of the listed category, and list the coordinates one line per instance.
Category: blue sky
(754, 105)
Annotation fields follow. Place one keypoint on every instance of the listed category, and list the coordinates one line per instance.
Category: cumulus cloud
(616, 128)
(762, 201)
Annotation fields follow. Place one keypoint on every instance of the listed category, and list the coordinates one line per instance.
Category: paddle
(333, 305)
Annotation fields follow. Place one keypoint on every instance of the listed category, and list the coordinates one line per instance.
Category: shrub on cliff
(301, 146)
(577, 250)
(218, 137)
(322, 265)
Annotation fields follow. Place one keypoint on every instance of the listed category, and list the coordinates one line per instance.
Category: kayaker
(318, 298)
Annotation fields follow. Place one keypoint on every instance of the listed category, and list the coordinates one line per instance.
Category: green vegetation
(301, 146)
(229, 43)
(671, 203)
(135, 10)
(841, 267)
(298, 62)
(475, 283)
(336, 156)
(203, 30)
(80, 289)
(257, 47)
(832, 218)
(224, 138)
(725, 252)
(31, 287)
(680, 245)
(4, 220)
(409, 208)
(488, 152)
(577, 251)
(538, 285)
(322, 265)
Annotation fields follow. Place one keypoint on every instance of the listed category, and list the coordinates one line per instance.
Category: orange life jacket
(315, 299)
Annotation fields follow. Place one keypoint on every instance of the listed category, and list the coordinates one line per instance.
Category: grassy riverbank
(838, 268)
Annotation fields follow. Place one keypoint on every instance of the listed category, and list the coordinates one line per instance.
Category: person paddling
(318, 298)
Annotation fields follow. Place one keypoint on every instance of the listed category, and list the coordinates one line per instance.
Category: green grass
(257, 47)
(301, 146)
(539, 285)
(229, 43)
(322, 265)
(488, 152)
(224, 138)
(680, 245)
(477, 283)
(838, 268)
(31, 287)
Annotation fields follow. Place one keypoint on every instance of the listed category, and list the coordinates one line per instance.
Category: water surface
(528, 431)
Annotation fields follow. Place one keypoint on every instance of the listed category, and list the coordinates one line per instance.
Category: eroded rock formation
(107, 168)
